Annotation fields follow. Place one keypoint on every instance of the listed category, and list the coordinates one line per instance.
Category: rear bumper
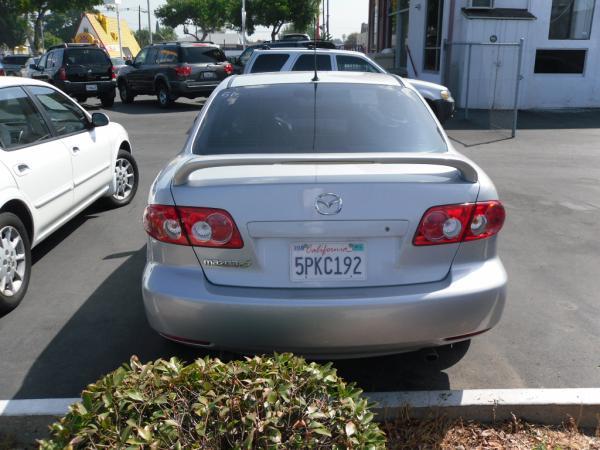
(180, 302)
(79, 89)
(193, 88)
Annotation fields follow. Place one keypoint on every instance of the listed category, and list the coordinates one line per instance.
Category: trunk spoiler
(466, 169)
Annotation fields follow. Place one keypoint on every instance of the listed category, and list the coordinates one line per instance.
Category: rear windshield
(203, 55)
(15, 59)
(85, 56)
(328, 118)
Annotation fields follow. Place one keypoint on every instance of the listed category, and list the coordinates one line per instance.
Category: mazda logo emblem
(328, 204)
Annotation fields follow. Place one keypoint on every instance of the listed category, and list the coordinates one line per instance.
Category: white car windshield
(323, 118)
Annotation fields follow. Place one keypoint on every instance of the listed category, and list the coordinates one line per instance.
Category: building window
(571, 19)
(560, 61)
(433, 35)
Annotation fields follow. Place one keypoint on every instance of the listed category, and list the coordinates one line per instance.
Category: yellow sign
(85, 38)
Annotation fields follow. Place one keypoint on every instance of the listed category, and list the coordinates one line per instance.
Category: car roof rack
(184, 42)
(72, 45)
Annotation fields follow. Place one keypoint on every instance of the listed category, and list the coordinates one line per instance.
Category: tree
(207, 15)
(13, 23)
(163, 34)
(352, 40)
(63, 25)
(275, 14)
(41, 8)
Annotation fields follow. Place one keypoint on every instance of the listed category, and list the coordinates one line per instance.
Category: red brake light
(456, 223)
(228, 69)
(62, 74)
(201, 227)
(113, 72)
(2, 73)
(183, 71)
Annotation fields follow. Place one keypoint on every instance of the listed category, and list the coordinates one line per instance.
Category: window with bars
(433, 35)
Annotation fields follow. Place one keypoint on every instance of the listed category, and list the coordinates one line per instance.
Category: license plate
(328, 261)
(209, 75)
(91, 87)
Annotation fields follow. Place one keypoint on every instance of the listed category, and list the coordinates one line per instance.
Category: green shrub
(263, 402)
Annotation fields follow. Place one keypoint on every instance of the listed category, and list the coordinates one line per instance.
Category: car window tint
(307, 62)
(66, 117)
(335, 117)
(269, 62)
(152, 54)
(141, 56)
(15, 59)
(42, 62)
(354, 64)
(167, 55)
(245, 56)
(203, 55)
(85, 56)
(20, 122)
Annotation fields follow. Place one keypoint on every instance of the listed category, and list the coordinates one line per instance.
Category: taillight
(456, 223)
(2, 73)
(113, 72)
(183, 71)
(228, 69)
(202, 227)
(62, 74)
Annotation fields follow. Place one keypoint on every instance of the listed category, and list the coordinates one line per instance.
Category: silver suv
(438, 97)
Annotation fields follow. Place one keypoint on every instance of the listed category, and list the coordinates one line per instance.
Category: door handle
(22, 169)
(75, 150)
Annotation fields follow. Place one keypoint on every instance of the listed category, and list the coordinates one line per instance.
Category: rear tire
(81, 99)
(107, 100)
(125, 92)
(126, 179)
(15, 261)
(163, 95)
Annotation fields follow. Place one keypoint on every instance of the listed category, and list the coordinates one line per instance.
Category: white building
(560, 65)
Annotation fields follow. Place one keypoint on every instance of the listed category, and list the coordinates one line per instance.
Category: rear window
(14, 59)
(333, 118)
(307, 62)
(269, 62)
(85, 56)
(203, 55)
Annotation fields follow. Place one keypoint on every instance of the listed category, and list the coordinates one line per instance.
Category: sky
(346, 16)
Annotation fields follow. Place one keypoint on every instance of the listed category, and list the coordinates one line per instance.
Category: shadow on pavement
(111, 326)
(146, 106)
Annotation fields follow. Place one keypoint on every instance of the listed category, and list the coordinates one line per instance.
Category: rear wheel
(126, 179)
(163, 95)
(15, 261)
(125, 92)
(81, 99)
(108, 99)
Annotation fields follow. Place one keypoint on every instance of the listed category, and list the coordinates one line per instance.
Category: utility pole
(328, 34)
(244, 24)
(119, 30)
(139, 18)
(149, 22)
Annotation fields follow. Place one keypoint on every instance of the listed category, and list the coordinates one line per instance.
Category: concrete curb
(28, 420)
(543, 406)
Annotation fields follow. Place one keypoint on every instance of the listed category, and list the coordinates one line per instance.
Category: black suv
(174, 69)
(80, 70)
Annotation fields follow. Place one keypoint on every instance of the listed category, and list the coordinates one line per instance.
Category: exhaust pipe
(432, 355)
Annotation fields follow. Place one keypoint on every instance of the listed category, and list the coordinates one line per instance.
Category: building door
(400, 22)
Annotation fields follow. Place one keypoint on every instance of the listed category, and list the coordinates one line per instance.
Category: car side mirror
(100, 119)
(33, 66)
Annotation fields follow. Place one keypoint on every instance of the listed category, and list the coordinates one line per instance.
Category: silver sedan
(329, 217)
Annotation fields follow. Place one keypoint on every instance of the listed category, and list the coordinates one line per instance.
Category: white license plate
(328, 261)
(91, 87)
(209, 75)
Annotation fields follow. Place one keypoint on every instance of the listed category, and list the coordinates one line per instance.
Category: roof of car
(308, 50)
(257, 79)
(20, 81)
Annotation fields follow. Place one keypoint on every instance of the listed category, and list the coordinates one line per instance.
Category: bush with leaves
(261, 402)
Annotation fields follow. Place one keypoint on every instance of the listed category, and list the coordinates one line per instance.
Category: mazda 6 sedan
(329, 217)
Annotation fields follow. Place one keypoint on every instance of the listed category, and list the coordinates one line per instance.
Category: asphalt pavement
(83, 315)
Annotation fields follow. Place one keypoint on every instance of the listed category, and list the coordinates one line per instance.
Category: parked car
(239, 63)
(55, 160)
(29, 68)
(14, 63)
(174, 69)
(2, 72)
(80, 70)
(118, 63)
(358, 230)
(437, 96)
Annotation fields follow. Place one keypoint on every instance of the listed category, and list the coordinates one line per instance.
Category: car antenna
(316, 77)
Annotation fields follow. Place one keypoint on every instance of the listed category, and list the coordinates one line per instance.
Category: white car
(55, 160)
